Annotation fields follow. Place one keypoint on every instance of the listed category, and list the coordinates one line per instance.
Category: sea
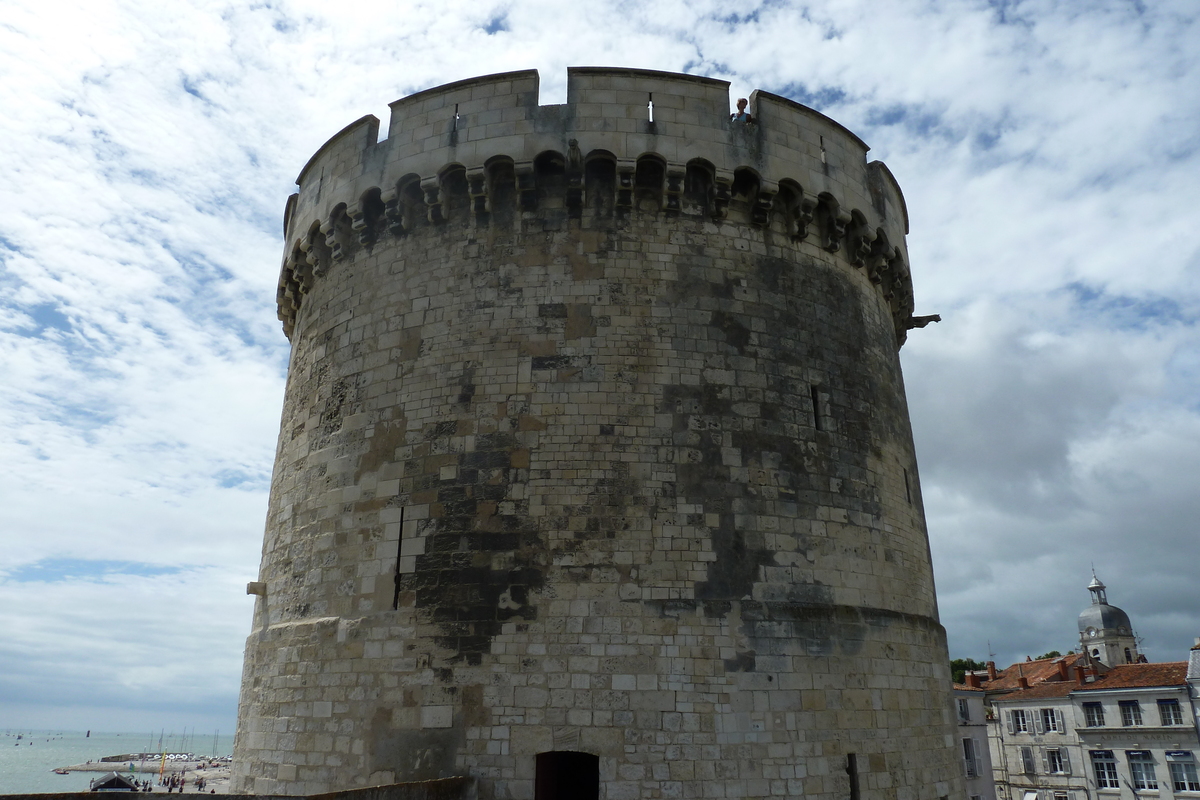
(27, 763)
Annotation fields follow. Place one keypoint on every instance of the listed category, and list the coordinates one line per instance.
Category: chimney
(972, 680)
(1063, 673)
(1029, 658)
(1023, 682)
(991, 667)
(1079, 676)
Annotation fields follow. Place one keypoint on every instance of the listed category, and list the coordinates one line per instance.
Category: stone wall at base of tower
(597, 450)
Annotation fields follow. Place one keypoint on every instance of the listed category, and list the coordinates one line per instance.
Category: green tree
(1051, 654)
(960, 666)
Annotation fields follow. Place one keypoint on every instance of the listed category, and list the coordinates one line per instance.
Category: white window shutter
(1037, 721)
(1066, 760)
(1011, 725)
(1058, 717)
(1045, 761)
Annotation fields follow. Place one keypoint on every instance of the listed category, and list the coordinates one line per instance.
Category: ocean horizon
(27, 763)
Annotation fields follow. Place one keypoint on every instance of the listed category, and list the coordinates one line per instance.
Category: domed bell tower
(1105, 632)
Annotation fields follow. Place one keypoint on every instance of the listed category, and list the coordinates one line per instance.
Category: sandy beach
(216, 777)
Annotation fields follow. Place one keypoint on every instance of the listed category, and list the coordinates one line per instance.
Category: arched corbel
(806, 211)
(393, 212)
(574, 170)
(764, 200)
(877, 260)
(835, 221)
(335, 229)
(330, 232)
(316, 250)
(673, 191)
(477, 188)
(861, 238)
(722, 189)
(626, 178)
(431, 188)
(526, 185)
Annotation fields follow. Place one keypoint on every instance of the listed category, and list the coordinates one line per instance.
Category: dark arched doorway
(567, 775)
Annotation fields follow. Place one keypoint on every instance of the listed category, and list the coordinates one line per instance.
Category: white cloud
(1047, 152)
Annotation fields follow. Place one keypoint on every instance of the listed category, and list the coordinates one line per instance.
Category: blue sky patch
(820, 98)
(46, 316)
(1124, 311)
(496, 24)
(57, 570)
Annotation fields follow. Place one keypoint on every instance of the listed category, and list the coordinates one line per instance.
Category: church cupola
(1105, 631)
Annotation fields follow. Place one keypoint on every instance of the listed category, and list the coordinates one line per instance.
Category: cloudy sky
(1049, 154)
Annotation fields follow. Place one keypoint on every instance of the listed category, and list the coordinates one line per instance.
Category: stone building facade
(595, 475)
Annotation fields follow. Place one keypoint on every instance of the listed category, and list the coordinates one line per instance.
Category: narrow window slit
(852, 771)
(396, 577)
(650, 106)
(907, 488)
(815, 394)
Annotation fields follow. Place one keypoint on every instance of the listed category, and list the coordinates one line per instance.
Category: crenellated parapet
(482, 152)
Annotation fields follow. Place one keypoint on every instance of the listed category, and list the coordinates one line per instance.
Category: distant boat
(61, 771)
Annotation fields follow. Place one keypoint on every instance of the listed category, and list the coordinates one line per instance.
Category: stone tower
(595, 475)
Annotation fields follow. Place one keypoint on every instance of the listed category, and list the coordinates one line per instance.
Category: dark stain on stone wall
(479, 565)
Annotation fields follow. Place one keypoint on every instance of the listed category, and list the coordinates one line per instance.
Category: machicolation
(595, 475)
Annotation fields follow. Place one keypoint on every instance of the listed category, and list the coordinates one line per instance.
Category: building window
(1105, 767)
(1169, 712)
(1027, 761)
(1057, 762)
(970, 762)
(1093, 714)
(1061, 796)
(1128, 656)
(567, 775)
(1018, 721)
(1141, 769)
(1183, 771)
(1052, 720)
(964, 710)
(1131, 713)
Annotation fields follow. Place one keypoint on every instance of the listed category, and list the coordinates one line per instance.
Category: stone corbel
(673, 191)
(333, 239)
(805, 212)
(835, 220)
(393, 212)
(626, 177)
(861, 243)
(877, 261)
(478, 189)
(312, 254)
(574, 199)
(360, 224)
(431, 188)
(526, 185)
(722, 190)
(302, 273)
(764, 200)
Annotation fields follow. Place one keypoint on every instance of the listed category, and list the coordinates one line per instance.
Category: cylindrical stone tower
(595, 467)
